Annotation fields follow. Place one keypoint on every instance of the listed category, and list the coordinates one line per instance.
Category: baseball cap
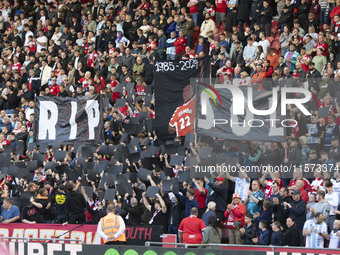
(297, 192)
(219, 178)
(235, 195)
(61, 187)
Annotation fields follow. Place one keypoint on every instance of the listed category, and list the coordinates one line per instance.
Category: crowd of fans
(81, 48)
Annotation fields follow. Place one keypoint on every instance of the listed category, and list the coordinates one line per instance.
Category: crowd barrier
(13, 248)
(87, 234)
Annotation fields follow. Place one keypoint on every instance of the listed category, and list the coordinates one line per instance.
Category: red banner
(135, 235)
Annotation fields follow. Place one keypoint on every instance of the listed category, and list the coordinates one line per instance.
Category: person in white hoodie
(207, 27)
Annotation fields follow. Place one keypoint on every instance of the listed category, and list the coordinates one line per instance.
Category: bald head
(194, 211)
(134, 201)
(299, 184)
(110, 208)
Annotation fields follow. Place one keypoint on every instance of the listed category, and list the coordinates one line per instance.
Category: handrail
(28, 239)
(273, 248)
(148, 244)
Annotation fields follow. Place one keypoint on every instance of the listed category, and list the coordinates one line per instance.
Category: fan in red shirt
(183, 117)
(16, 64)
(191, 228)
(235, 215)
(200, 195)
(189, 53)
(144, 5)
(91, 57)
(298, 176)
(140, 87)
(85, 80)
(99, 83)
(4, 141)
(269, 183)
(54, 88)
(180, 43)
(322, 44)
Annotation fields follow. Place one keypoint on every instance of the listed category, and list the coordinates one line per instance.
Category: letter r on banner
(47, 124)
(92, 110)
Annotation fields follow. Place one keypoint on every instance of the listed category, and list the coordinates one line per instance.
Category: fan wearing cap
(235, 214)
(334, 151)
(296, 209)
(220, 195)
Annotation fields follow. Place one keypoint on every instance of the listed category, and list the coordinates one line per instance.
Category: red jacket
(236, 214)
(180, 43)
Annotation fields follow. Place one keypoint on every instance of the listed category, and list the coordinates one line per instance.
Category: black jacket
(75, 204)
(249, 234)
(298, 212)
(220, 196)
(135, 213)
(292, 237)
(267, 18)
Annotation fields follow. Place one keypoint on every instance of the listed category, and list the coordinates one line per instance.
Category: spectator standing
(191, 228)
(219, 196)
(235, 219)
(292, 236)
(315, 231)
(297, 209)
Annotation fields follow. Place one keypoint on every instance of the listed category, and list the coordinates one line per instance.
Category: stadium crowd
(81, 48)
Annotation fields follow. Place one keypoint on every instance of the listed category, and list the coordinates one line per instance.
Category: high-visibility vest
(110, 225)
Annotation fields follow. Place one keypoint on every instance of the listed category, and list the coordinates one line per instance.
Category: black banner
(72, 249)
(225, 112)
(68, 119)
(170, 79)
(138, 235)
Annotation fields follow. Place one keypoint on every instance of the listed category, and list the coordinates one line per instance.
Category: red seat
(276, 45)
(270, 39)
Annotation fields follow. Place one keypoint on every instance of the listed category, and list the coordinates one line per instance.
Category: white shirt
(118, 234)
(242, 187)
(42, 39)
(265, 45)
(28, 33)
(333, 240)
(336, 188)
(333, 201)
(314, 240)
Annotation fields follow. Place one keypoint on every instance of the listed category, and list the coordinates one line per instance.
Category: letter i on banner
(73, 123)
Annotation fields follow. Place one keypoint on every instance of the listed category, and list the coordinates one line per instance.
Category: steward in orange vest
(112, 227)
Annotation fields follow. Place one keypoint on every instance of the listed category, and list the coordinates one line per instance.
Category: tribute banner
(170, 79)
(240, 113)
(135, 235)
(68, 119)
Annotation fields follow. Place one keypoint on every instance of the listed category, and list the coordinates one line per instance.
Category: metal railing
(28, 239)
(231, 246)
